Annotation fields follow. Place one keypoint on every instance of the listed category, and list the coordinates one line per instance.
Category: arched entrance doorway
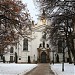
(43, 57)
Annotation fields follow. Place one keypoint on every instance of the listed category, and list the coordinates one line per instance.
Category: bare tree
(61, 13)
(14, 21)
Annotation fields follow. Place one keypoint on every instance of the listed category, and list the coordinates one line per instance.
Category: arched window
(11, 50)
(25, 44)
(60, 46)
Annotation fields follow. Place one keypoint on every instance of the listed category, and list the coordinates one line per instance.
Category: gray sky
(32, 10)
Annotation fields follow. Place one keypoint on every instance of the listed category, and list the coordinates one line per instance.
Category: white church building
(31, 50)
(27, 48)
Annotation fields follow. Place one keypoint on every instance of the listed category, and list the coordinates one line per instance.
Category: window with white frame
(25, 44)
(11, 50)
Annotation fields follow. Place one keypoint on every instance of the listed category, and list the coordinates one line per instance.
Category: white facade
(33, 43)
(32, 48)
(10, 55)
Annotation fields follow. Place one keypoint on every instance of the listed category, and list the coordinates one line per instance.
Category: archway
(43, 57)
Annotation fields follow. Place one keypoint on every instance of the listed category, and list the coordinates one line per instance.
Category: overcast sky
(32, 10)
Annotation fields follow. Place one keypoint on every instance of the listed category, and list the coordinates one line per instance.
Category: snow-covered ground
(16, 69)
(69, 69)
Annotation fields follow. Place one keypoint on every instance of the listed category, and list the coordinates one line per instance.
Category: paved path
(42, 69)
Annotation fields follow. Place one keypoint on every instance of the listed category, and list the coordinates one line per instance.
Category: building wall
(22, 55)
(7, 55)
(32, 48)
(33, 44)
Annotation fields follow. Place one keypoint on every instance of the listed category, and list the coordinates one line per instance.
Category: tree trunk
(15, 57)
(72, 49)
(70, 59)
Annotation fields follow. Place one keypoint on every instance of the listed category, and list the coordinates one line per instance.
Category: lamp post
(63, 45)
(53, 55)
(34, 58)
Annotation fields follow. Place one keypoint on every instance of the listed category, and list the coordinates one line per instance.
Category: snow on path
(16, 69)
(69, 69)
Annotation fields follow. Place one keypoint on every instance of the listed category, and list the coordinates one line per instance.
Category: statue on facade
(43, 44)
(47, 45)
(40, 45)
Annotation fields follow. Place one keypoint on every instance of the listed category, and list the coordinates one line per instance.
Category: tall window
(60, 46)
(25, 44)
(11, 50)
